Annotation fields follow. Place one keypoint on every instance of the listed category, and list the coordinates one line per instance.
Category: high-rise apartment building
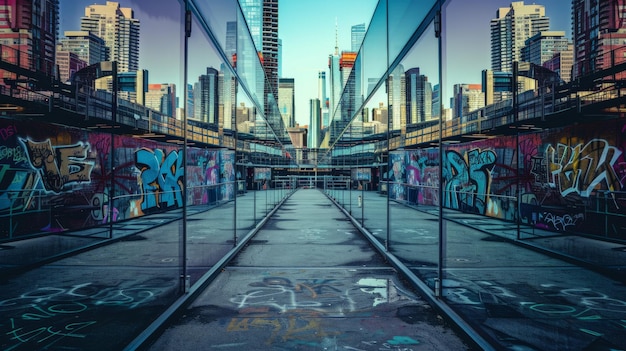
(30, 28)
(599, 33)
(562, 63)
(542, 46)
(119, 29)
(88, 46)
(357, 34)
(286, 101)
(510, 30)
(270, 43)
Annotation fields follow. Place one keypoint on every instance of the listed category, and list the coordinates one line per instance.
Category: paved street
(309, 281)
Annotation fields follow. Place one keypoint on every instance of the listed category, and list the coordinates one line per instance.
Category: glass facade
(540, 176)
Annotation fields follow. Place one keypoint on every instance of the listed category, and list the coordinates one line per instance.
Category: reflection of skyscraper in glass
(418, 97)
(119, 29)
(189, 104)
(357, 35)
(510, 30)
(351, 90)
(253, 13)
(262, 19)
(396, 89)
(231, 42)
(335, 83)
(227, 98)
(207, 99)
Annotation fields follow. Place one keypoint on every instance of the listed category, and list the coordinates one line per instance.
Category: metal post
(184, 277)
(442, 236)
(114, 120)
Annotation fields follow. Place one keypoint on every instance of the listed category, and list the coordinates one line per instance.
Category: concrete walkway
(309, 281)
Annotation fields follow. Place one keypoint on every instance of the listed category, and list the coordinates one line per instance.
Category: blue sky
(307, 30)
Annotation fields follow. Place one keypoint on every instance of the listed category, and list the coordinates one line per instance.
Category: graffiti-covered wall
(55, 178)
(570, 179)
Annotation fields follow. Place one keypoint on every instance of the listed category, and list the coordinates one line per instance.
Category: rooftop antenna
(336, 37)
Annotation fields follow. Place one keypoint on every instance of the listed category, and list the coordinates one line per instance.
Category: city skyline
(305, 52)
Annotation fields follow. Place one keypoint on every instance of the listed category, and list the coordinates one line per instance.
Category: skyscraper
(419, 98)
(396, 88)
(270, 43)
(334, 83)
(357, 35)
(206, 99)
(322, 96)
(314, 124)
(286, 101)
(510, 30)
(262, 19)
(119, 29)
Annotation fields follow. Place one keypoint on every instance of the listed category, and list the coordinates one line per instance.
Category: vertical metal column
(114, 120)
(442, 234)
(184, 277)
(388, 237)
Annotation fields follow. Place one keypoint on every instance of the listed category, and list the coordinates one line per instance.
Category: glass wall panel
(413, 172)
(371, 173)
(372, 56)
(210, 168)
(405, 17)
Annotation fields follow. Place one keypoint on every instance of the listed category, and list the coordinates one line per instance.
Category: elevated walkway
(309, 280)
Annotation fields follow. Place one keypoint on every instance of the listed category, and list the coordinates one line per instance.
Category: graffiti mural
(581, 168)
(564, 177)
(423, 176)
(47, 176)
(56, 178)
(397, 175)
(160, 178)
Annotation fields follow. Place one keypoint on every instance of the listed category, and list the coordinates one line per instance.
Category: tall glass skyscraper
(286, 101)
(357, 36)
